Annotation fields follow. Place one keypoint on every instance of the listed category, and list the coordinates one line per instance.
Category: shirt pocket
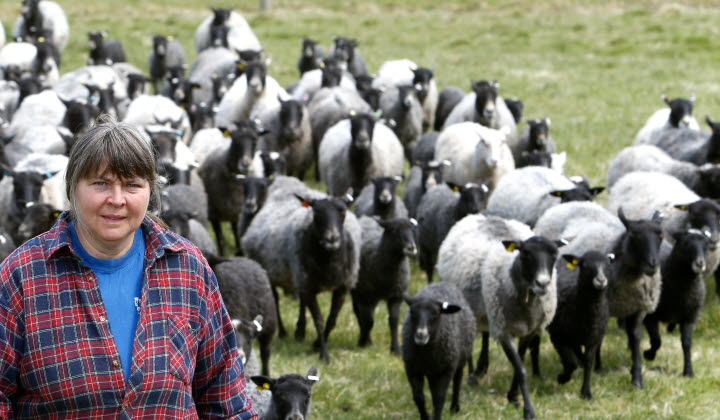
(172, 349)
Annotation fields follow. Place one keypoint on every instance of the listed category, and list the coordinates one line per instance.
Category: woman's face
(109, 210)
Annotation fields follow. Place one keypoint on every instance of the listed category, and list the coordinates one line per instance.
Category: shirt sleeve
(11, 340)
(219, 380)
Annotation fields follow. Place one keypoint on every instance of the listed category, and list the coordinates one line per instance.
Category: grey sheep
(355, 150)
(695, 146)
(186, 198)
(291, 395)
(437, 340)
(166, 52)
(378, 199)
(387, 245)
(401, 105)
(677, 115)
(439, 209)
(39, 15)
(448, 98)
(422, 177)
(535, 136)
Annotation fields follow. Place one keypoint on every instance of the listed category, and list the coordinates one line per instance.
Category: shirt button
(103, 319)
(116, 363)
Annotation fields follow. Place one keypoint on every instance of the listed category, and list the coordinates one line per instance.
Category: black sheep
(291, 395)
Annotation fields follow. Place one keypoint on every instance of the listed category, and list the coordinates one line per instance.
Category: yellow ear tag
(226, 133)
(266, 385)
(41, 39)
(56, 214)
(573, 264)
(511, 247)
(241, 66)
(455, 189)
(682, 208)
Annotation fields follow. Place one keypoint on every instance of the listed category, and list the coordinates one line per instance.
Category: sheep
(219, 176)
(401, 105)
(424, 150)
(42, 15)
(478, 154)
(582, 312)
(448, 98)
(254, 89)
(439, 209)
(378, 199)
(355, 150)
(689, 145)
(535, 136)
(571, 219)
(167, 52)
(437, 340)
(102, 83)
(104, 50)
(678, 114)
(52, 167)
(422, 177)
(156, 109)
(37, 58)
(384, 273)
(683, 293)
(291, 395)
(310, 57)
(345, 50)
(255, 192)
(215, 70)
(329, 75)
(485, 107)
(246, 291)
(539, 188)
(290, 134)
(226, 28)
(20, 192)
(516, 107)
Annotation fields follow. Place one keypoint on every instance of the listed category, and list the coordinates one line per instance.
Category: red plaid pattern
(58, 358)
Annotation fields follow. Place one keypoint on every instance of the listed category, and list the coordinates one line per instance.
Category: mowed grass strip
(597, 69)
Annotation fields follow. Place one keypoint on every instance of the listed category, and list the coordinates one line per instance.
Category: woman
(110, 315)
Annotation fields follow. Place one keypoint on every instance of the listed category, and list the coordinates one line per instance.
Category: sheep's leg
(587, 360)
(416, 384)
(483, 362)
(338, 300)
(717, 281)
(519, 378)
(310, 300)
(633, 327)
(653, 329)
(686, 332)
(457, 381)
(393, 306)
(282, 333)
(438, 391)
(535, 355)
(217, 228)
(300, 326)
(265, 347)
(364, 315)
(598, 359)
(238, 246)
(567, 358)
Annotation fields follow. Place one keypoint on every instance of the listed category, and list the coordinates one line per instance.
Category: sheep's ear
(572, 261)
(557, 193)
(312, 375)
(665, 99)
(561, 242)
(263, 382)
(595, 191)
(449, 308)
(257, 323)
(683, 207)
(453, 187)
(305, 202)
(511, 246)
(709, 122)
(621, 216)
(611, 257)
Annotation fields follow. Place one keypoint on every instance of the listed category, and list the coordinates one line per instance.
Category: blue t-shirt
(120, 281)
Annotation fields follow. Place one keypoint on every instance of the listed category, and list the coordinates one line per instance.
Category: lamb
(219, 175)
(539, 188)
(291, 395)
(485, 107)
(437, 339)
(167, 52)
(478, 154)
(384, 273)
(689, 145)
(253, 90)
(535, 136)
(104, 50)
(582, 312)
(378, 199)
(355, 150)
(345, 50)
(310, 57)
(39, 16)
(683, 293)
(439, 209)
(401, 105)
(422, 177)
(677, 115)
(225, 28)
(246, 291)
(512, 294)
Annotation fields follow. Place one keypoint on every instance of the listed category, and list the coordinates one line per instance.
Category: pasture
(596, 68)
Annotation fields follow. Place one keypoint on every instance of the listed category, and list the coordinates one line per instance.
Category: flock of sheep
(519, 247)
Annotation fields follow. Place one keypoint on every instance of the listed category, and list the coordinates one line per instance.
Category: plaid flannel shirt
(58, 358)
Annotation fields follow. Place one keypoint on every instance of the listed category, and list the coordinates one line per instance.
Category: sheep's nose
(295, 415)
(686, 121)
(332, 240)
(699, 265)
(251, 206)
(651, 268)
(600, 282)
(385, 197)
(411, 251)
(422, 336)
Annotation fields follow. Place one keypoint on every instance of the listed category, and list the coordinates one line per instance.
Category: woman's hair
(118, 145)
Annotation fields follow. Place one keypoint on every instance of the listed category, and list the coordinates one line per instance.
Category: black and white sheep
(677, 115)
(378, 199)
(355, 150)
(683, 293)
(225, 28)
(422, 177)
(291, 394)
(311, 56)
(103, 50)
(535, 137)
(439, 209)
(695, 146)
(401, 105)
(384, 273)
(582, 312)
(345, 50)
(478, 154)
(42, 15)
(167, 52)
(437, 339)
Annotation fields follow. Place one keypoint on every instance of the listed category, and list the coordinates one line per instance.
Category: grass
(596, 68)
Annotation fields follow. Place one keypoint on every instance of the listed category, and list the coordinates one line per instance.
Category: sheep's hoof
(528, 414)
(395, 350)
(299, 335)
(455, 408)
(364, 343)
(563, 378)
(586, 394)
(473, 380)
(637, 383)
(649, 354)
(688, 373)
(512, 399)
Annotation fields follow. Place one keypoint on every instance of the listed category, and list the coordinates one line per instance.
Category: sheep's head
(579, 193)
(160, 45)
(362, 128)
(309, 48)
(291, 393)
(254, 192)
(290, 120)
(703, 215)
(485, 97)
(244, 137)
(344, 49)
(539, 133)
(328, 219)
(384, 192)
(245, 332)
(425, 316)
(533, 269)
(472, 198)
(422, 77)
(594, 269)
(691, 247)
(401, 233)
(255, 73)
(432, 173)
(332, 71)
(640, 244)
(680, 110)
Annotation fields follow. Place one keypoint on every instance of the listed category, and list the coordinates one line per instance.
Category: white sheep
(676, 116)
(43, 15)
(239, 35)
(156, 109)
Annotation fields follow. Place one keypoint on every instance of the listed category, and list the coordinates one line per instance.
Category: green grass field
(597, 69)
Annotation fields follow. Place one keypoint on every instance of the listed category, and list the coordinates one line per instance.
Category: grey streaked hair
(121, 149)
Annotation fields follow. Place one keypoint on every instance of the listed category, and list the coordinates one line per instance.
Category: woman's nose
(117, 198)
